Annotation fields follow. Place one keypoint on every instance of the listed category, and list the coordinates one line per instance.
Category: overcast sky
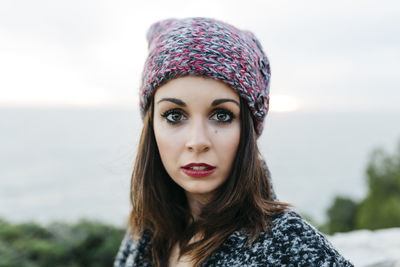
(328, 55)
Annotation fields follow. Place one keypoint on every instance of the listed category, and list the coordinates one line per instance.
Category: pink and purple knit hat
(210, 48)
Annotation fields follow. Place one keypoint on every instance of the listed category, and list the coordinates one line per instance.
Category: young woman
(201, 193)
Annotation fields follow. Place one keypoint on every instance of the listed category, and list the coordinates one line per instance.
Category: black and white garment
(291, 241)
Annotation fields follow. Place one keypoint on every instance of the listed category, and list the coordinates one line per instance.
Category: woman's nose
(198, 137)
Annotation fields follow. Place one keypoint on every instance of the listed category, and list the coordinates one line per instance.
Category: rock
(379, 248)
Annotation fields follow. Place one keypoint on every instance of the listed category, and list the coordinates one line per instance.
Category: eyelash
(167, 114)
(225, 112)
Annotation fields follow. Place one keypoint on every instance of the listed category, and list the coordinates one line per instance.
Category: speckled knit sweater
(290, 242)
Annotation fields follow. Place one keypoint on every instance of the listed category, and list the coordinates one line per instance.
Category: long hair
(160, 208)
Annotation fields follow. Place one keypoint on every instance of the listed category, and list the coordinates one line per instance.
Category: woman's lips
(198, 170)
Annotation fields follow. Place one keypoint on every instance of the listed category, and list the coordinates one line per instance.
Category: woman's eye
(222, 116)
(173, 116)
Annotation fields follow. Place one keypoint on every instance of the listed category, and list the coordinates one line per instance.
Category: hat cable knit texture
(210, 48)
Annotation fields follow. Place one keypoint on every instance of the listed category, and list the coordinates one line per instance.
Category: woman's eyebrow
(173, 100)
(223, 100)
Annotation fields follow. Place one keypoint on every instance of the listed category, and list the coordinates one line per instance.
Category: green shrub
(342, 215)
(86, 243)
(381, 206)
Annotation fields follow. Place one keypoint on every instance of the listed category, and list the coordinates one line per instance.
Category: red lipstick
(198, 170)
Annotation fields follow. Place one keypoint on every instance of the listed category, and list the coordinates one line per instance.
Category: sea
(67, 164)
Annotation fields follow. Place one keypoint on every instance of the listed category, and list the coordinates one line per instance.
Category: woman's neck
(196, 203)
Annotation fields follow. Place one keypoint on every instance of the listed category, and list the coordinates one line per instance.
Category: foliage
(86, 243)
(381, 206)
(341, 215)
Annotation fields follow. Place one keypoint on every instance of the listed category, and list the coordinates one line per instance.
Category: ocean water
(67, 164)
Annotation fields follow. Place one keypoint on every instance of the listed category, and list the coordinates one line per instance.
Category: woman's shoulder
(290, 240)
(131, 250)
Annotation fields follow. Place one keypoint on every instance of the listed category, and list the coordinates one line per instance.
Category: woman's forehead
(195, 88)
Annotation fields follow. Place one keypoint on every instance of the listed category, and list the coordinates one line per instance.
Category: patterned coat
(291, 241)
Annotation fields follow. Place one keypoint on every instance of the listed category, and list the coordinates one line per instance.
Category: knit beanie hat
(210, 48)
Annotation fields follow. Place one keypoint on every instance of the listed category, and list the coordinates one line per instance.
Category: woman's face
(197, 130)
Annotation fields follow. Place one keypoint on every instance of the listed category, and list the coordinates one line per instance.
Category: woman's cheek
(169, 136)
(227, 137)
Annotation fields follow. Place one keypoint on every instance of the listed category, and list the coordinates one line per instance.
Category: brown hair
(159, 205)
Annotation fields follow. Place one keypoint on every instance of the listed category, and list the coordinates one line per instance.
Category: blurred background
(69, 119)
